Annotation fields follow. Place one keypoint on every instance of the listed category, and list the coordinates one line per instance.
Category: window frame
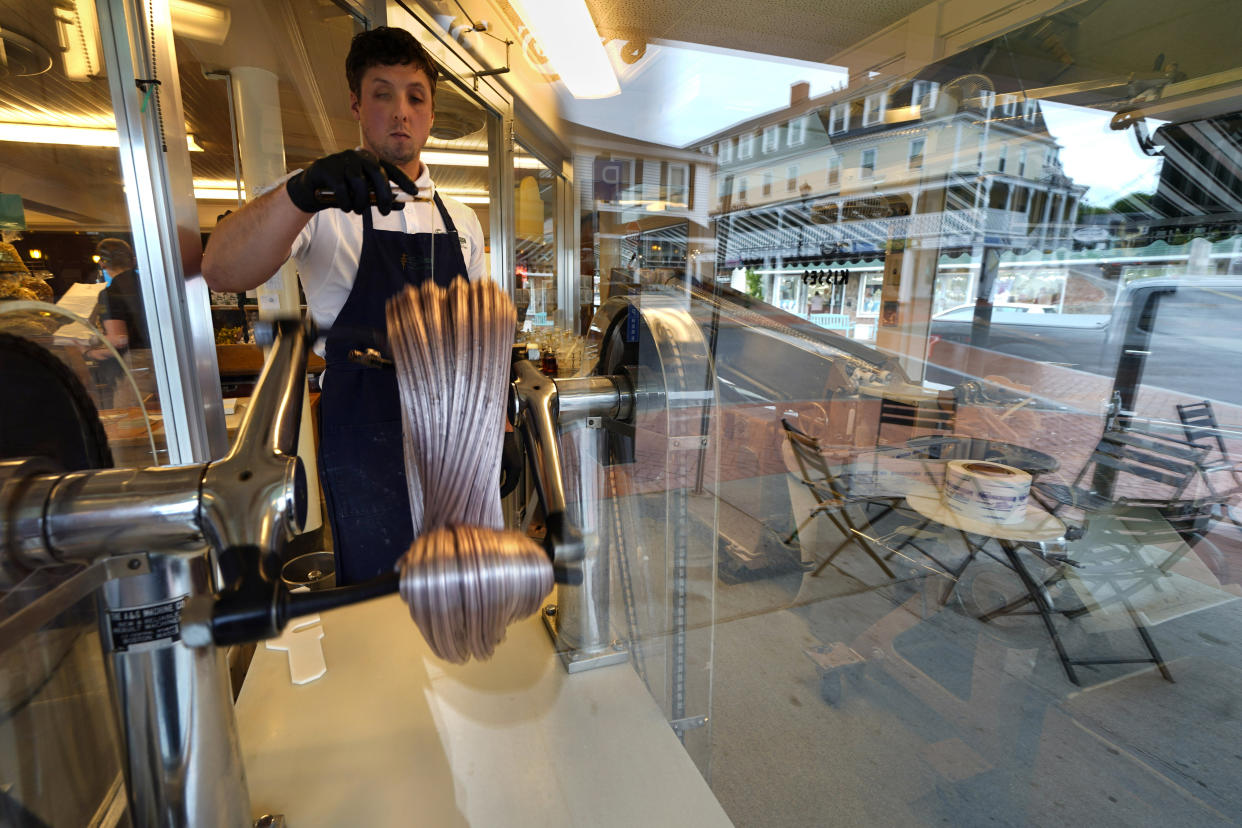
(746, 146)
(922, 147)
(796, 126)
(921, 88)
(839, 112)
(666, 183)
(865, 170)
(771, 140)
(874, 107)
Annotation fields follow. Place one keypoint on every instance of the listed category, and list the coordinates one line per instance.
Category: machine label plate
(143, 625)
(632, 320)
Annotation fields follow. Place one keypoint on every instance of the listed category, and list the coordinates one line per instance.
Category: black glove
(352, 177)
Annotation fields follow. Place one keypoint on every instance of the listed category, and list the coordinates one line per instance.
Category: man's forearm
(249, 245)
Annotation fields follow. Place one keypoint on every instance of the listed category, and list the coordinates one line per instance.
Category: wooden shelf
(247, 361)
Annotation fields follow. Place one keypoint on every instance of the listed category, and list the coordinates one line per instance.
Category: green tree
(1133, 203)
(754, 284)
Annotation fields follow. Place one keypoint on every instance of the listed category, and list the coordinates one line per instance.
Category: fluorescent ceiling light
(200, 21)
(74, 136)
(475, 159)
(217, 189)
(53, 134)
(466, 196)
(526, 162)
(572, 44)
(77, 31)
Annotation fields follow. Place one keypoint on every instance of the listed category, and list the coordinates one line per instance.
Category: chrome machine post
(539, 407)
(159, 539)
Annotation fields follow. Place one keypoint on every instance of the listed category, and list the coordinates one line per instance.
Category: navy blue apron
(361, 461)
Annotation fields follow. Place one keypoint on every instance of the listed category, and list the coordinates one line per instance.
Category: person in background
(353, 253)
(124, 323)
(121, 312)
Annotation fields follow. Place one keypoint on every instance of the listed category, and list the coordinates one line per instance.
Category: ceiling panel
(803, 29)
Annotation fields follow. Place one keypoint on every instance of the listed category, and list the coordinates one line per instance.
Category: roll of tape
(986, 491)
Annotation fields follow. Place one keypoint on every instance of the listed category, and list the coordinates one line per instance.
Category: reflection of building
(841, 178)
(1201, 180)
(647, 204)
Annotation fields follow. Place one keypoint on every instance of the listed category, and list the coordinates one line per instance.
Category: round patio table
(955, 447)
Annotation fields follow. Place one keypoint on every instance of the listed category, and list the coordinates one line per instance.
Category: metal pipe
(258, 493)
(91, 514)
(535, 403)
(152, 531)
(580, 397)
(274, 415)
(175, 703)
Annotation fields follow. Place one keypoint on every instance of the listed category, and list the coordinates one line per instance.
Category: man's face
(395, 112)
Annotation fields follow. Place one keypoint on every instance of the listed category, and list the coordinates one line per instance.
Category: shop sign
(825, 277)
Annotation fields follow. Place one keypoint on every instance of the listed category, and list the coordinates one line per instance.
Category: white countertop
(391, 735)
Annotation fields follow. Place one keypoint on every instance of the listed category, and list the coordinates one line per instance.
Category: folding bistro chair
(832, 498)
(939, 415)
(1116, 530)
(1202, 430)
(1167, 468)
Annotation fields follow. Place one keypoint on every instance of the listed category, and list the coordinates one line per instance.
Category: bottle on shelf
(547, 362)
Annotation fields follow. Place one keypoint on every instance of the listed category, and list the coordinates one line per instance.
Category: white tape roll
(982, 490)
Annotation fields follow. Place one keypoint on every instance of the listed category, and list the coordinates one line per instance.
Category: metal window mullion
(154, 226)
(568, 271)
(500, 185)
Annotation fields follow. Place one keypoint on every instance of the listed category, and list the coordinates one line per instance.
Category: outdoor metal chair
(1164, 467)
(1202, 430)
(832, 498)
(937, 415)
(1124, 541)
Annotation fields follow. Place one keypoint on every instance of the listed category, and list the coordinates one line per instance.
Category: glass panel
(977, 398)
(60, 755)
(534, 209)
(64, 222)
(309, 100)
(457, 155)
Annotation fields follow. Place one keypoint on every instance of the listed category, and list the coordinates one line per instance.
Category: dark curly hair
(116, 253)
(386, 46)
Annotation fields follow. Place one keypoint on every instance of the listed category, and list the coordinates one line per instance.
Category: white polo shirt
(327, 250)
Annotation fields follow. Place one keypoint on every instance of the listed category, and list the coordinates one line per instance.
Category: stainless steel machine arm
(537, 405)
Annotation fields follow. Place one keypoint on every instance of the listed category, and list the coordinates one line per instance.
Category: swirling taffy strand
(464, 578)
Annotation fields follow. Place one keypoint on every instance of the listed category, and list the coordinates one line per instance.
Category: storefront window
(66, 232)
(535, 235)
(910, 491)
(1026, 247)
